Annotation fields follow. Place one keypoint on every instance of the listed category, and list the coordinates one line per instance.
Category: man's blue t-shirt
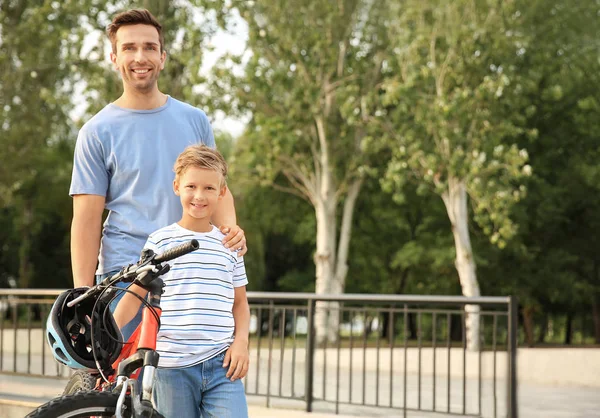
(127, 156)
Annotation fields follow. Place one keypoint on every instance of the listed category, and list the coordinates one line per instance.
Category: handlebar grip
(185, 248)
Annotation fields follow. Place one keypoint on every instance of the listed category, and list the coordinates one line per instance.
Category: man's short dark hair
(133, 17)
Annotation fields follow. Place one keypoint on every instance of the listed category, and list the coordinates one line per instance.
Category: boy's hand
(234, 239)
(237, 359)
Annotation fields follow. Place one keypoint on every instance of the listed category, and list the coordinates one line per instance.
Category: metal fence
(380, 352)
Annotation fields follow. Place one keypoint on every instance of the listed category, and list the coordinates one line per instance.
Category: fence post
(310, 355)
(513, 323)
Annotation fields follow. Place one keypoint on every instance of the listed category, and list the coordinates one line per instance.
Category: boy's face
(138, 57)
(199, 190)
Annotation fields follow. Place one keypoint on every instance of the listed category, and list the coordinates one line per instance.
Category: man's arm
(225, 219)
(224, 215)
(86, 229)
(237, 357)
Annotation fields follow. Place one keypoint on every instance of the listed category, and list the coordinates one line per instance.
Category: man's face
(138, 57)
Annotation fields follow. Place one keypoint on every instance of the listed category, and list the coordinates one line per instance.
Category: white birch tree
(311, 73)
(450, 113)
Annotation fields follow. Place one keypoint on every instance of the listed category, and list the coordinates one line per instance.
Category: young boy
(203, 338)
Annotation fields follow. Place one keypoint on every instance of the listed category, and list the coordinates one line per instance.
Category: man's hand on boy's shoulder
(238, 360)
(234, 239)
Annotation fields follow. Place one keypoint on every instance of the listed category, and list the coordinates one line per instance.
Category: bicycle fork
(141, 398)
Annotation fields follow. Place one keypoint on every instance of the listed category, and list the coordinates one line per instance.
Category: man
(124, 155)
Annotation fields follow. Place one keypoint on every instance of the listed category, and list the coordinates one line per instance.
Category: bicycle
(79, 325)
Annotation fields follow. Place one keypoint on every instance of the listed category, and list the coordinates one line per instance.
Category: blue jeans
(201, 390)
(132, 325)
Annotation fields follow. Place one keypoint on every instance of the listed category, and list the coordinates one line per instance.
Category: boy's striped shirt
(197, 320)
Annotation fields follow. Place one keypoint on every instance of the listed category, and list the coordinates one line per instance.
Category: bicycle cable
(141, 299)
(103, 326)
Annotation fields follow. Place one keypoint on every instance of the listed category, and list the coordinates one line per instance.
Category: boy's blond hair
(201, 156)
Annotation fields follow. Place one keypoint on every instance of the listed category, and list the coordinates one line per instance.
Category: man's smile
(140, 71)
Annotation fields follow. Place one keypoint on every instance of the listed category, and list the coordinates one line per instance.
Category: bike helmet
(69, 332)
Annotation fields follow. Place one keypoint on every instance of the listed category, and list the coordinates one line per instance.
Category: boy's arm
(128, 306)
(241, 315)
(238, 352)
(224, 218)
(86, 229)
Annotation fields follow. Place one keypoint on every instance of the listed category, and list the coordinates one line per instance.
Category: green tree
(452, 105)
(310, 75)
(40, 43)
(558, 221)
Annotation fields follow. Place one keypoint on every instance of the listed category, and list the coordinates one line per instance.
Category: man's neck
(141, 100)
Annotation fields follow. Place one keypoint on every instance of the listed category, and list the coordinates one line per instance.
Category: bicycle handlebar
(140, 267)
(186, 247)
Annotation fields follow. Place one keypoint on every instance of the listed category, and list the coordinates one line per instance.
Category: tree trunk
(543, 330)
(528, 325)
(412, 326)
(455, 200)
(368, 326)
(324, 262)
(596, 316)
(341, 269)
(325, 204)
(331, 259)
(456, 328)
(389, 330)
(332, 268)
(596, 303)
(25, 267)
(569, 330)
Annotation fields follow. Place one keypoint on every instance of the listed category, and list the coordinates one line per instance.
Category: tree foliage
(455, 103)
(36, 67)
(410, 95)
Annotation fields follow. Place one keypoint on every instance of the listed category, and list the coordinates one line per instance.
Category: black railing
(333, 352)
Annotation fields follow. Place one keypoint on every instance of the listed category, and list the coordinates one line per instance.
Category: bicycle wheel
(80, 381)
(82, 404)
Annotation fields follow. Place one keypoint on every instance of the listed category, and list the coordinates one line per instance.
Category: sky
(234, 42)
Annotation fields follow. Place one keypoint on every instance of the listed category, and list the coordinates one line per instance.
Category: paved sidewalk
(16, 409)
(21, 394)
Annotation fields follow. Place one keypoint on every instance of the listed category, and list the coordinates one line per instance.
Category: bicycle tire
(82, 404)
(80, 381)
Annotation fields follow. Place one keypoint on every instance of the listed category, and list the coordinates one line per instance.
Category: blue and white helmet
(69, 333)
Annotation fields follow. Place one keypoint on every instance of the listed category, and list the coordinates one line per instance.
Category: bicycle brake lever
(80, 298)
(146, 278)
